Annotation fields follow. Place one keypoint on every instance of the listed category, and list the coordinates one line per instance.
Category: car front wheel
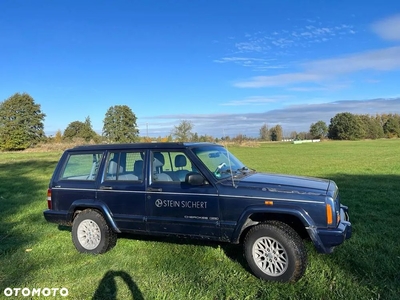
(275, 252)
(91, 233)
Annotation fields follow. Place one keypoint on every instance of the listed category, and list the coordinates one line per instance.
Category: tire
(91, 233)
(275, 252)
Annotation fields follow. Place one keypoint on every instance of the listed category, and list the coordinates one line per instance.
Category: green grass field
(36, 254)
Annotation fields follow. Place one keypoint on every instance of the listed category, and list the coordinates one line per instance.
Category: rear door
(122, 189)
(175, 207)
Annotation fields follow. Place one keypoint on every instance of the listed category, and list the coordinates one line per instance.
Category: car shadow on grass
(233, 251)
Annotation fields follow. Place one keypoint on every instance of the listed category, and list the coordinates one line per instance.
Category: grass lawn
(36, 254)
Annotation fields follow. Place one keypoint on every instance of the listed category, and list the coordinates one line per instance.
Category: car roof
(167, 145)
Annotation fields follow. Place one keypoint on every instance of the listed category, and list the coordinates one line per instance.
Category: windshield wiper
(243, 170)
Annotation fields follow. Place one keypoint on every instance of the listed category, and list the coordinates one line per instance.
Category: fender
(296, 211)
(96, 204)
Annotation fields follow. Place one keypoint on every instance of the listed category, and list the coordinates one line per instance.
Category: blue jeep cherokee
(196, 190)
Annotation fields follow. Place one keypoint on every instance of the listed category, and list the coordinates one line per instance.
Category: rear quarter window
(82, 166)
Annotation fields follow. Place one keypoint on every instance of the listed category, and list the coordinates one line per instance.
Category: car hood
(285, 183)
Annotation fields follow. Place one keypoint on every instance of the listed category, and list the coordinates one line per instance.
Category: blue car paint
(220, 209)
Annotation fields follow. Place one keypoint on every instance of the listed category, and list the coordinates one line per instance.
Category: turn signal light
(269, 202)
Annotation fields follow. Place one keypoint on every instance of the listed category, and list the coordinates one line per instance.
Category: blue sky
(227, 66)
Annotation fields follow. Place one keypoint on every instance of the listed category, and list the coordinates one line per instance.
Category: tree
(21, 123)
(79, 129)
(276, 133)
(318, 130)
(183, 131)
(120, 125)
(293, 135)
(345, 126)
(195, 137)
(239, 139)
(302, 135)
(392, 126)
(372, 127)
(58, 136)
(264, 133)
(206, 138)
(73, 130)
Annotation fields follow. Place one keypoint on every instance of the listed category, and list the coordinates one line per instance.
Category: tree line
(21, 127)
(343, 126)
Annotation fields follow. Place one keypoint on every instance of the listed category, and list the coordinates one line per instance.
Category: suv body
(196, 190)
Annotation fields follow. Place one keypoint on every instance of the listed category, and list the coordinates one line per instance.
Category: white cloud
(276, 44)
(255, 100)
(283, 42)
(294, 117)
(251, 46)
(255, 63)
(325, 87)
(382, 59)
(319, 70)
(389, 28)
(240, 60)
(279, 80)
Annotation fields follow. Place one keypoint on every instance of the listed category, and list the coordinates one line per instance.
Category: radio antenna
(229, 160)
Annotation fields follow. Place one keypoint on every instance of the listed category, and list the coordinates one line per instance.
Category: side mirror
(194, 178)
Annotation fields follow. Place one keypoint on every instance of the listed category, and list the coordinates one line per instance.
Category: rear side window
(125, 166)
(81, 166)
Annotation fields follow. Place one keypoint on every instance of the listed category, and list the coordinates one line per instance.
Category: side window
(112, 166)
(170, 166)
(157, 166)
(82, 166)
(124, 166)
(134, 162)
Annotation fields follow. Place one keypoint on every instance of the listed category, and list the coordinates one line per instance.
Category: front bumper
(325, 239)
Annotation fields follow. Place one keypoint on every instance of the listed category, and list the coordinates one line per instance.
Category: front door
(176, 207)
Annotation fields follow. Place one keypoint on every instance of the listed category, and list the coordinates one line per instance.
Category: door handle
(154, 189)
(106, 187)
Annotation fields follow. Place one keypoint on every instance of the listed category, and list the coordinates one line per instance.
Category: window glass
(125, 166)
(220, 162)
(135, 163)
(82, 166)
(170, 166)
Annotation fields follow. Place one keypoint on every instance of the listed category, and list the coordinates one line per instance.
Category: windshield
(221, 163)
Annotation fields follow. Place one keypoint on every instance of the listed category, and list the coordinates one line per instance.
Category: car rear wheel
(91, 233)
(275, 252)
